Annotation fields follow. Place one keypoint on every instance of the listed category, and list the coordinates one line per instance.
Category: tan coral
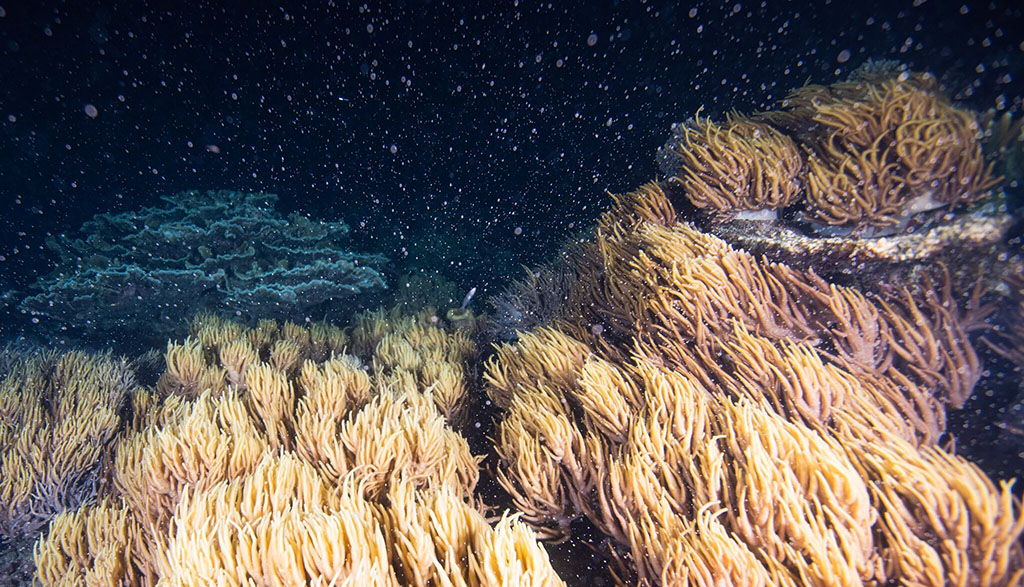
(326, 340)
(204, 442)
(88, 546)
(286, 355)
(59, 414)
(416, 351)
(333, 388)
(739, 165)
(285, 526)
(271, 397)
(697, 295)
(746, 394)
(547, 355)
(185, 369)
(236, 357)
(889, 147)
(860, 188)
(396, 435)
(944, 520)
(865, 153)
(282, 456)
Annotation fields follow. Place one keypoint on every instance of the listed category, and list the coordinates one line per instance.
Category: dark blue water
(419, 119)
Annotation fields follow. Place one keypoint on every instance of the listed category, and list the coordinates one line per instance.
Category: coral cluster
(720, 418)
(868, 152)
(725, 420)
(150, 270)
(267, 455)
(59, 414)
(738, 166)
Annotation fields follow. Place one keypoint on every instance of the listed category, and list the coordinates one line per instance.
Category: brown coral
(735, 408)
(740, 165)
(888, 148)
(869, 152)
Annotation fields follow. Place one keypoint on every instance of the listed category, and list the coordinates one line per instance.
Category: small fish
(469, 296)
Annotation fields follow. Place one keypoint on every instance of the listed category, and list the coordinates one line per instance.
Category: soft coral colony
(735, 421)
(720, 419)
(266, 455)
(868, 152)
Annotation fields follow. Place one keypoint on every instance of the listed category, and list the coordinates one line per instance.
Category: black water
(454, 137)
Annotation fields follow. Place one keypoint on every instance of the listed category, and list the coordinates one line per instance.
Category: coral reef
(150, 270)
(864, 184)
(869, 152)
(713, 415)
(59, 414)
(742, 165)
(268, 455)
(724, 420)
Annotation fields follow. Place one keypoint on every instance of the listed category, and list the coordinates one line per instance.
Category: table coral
(148, 270)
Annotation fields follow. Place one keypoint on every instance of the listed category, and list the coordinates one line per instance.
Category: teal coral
(218, 251)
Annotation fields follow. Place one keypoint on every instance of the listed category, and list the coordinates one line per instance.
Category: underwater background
(414, 200)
